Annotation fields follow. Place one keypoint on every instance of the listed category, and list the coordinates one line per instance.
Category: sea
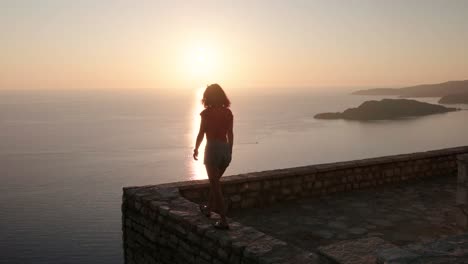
(65, 155)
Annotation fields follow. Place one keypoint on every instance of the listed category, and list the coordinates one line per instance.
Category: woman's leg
(211, 197)
(214, 175)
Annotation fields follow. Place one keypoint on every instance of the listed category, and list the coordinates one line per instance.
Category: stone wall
(266, 187)
(162, 223)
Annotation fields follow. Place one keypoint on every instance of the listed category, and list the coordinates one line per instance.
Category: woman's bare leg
(214, 174)
(211, 197)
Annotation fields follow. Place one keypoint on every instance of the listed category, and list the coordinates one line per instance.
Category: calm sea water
(65, 156)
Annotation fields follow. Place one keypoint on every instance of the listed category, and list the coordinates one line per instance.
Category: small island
(454, 99)
(387, 109)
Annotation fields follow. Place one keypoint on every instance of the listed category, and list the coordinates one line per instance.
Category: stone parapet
(267, 187)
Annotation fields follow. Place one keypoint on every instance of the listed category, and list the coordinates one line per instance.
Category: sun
(201, 62)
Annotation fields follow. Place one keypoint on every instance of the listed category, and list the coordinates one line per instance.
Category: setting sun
(201, 62)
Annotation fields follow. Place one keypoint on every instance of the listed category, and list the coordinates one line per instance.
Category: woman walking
(216, 123)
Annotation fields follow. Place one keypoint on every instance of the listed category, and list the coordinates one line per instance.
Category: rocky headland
(454, 99)
(424, 90)
(387, 109)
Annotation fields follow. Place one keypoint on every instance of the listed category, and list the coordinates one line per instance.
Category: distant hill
(454, 99)
(424, 90)
(387, 109)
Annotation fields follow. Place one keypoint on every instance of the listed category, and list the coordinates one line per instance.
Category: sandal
(221, 225)
(204, 210)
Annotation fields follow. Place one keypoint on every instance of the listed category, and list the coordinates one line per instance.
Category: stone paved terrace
(402, 214)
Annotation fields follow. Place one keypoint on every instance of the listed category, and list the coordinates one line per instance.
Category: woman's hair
(215, 96)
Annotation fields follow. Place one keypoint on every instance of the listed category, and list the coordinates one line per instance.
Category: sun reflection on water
(198, 170)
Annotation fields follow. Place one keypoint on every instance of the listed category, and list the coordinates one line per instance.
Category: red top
(217, 121)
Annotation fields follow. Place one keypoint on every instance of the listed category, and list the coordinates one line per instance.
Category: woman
(216, 123)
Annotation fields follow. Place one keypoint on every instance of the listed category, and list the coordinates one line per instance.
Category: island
(387, 109)
(454, 99)
(424, 90)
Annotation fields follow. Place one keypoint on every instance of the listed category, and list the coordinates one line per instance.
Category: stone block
(204, 255)
(286, 191)
(218, 261)
(462, 170)
(208, 245)
(461, 218)
(230, 189)
(266, 185)
(192, 195)
(275, 183)
(193, 238)
(149, 234)
(297, 180)
(137, 205)
(341, 188)
(223, 254)
(357, 251)
(186, 247)
(309, 178)
(461, 195)
(389, 173)
(395, 255)
(235, 205)
(138, 228)
(364, 184)
(199, 260)
(128, 222)
(260, 247)
(244, 187)
(248, 202)
(236, 198)
(234, 259)
(286, 182)
(318, 185)
(297, 188)
(255, 186)
(272, 198)
(309, 185)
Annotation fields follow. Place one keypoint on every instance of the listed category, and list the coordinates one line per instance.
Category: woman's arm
(201, 134)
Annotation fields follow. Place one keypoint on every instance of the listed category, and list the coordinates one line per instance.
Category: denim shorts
(217, 154)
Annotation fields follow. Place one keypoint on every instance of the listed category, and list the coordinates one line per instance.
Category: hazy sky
(180, 44)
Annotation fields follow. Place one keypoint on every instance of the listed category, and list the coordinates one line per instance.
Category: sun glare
(201, 62)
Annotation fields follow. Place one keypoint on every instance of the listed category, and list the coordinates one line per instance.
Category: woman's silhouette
(216, 123)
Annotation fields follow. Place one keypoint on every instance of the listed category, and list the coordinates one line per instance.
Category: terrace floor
(402, 214)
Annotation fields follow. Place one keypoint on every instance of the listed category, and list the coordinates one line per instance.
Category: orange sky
(179, 44)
